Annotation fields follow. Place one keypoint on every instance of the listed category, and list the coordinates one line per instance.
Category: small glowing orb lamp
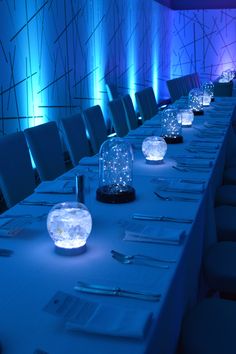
(195, 101)
(69, 225)
(154, 149)
(115, 172)
(171, 127)
(186, 117)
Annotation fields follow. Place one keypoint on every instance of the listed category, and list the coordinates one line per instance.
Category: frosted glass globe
(195, 99)
(69, 224)
(154, 149)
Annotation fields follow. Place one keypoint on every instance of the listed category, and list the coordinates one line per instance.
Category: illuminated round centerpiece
(69, 225)
(186, 117)
(115, 172)
(171, 127)
(154, 149)
(195, 101)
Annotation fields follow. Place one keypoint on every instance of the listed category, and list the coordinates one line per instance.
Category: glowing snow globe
(171, 126)
(154, 149)
(208, 92)
(69, 225)
(115, 172)
(195, 101)
(208, 87)
(186, 117)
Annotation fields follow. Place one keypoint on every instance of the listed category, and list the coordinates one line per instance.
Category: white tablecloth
(34, 273)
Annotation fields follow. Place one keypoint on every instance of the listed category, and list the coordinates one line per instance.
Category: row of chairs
(44, 143)
(182, 85)
(123, 115)
(208, 328)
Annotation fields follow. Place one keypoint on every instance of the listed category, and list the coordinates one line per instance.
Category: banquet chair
(174, 89)
(225, 216)
(223, 89)
(146, 104)
(219, 268)
(131, 117)
(74, 134)
(96, 127)
(209, 328)
(112, 92)
(45, 146)
(17, 179)
(118, 117)
(152, 101)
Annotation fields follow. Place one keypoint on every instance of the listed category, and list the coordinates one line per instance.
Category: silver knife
(137, 216)
(115, 291)
(37, 203)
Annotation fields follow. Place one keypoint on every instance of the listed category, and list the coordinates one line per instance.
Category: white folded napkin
(114, 321)
(204, 144)
(90, 161)
(58, 187)
(154, 234)
(93, 317)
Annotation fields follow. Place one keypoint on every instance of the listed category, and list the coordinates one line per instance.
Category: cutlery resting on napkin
(137, 216)
(154, 234)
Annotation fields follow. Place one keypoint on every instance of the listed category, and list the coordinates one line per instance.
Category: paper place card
(12, 226)
(93, 317)
(153, 234)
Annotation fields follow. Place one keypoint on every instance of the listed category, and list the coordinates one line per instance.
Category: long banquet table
(34, 273)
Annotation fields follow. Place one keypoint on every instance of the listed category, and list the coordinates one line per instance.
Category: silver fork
(171, 199)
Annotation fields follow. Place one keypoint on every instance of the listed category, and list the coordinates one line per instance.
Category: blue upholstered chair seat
(209, 328)
(230, 175)
(220, 267)
(225, 216)
(226, 195)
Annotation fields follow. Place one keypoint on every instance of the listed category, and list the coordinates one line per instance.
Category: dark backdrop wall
(57, 55)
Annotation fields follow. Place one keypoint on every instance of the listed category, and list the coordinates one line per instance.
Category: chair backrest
(74, 134)
(151, 101)
(112, 92)
(96, 127)
(182, 85)
(131, 117)
(17, 179)
(144, 104)
(223, 89)
(174, 89)
(45, 146)
(118, 117)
